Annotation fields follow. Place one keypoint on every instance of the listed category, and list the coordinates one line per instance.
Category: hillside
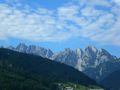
(23, 71)
(112, 81)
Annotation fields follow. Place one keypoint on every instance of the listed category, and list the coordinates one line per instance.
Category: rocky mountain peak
(91, 49)
(67, 50)
(79, 52)
(32, 49)
(103, 51)
(21, 47)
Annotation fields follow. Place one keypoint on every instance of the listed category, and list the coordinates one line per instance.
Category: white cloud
(35, 26)
(90, 11)
(68, 21)
(117, 1)
(100, 2)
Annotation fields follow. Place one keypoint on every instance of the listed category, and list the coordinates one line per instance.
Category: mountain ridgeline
(96, 63)
(20, 71)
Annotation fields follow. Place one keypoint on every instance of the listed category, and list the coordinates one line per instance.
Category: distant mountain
(112, 81)
(20, 71)
(96, 63)
(32, 49)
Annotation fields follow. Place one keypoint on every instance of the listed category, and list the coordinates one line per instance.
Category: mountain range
(21, 71)
(95, 63)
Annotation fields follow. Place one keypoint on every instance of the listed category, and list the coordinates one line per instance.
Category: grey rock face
(32, 49)
(67, 56)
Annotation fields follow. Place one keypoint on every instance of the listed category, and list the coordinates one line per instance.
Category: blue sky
(59, 24)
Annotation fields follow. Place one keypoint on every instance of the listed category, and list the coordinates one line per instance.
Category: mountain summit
(32, 49)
